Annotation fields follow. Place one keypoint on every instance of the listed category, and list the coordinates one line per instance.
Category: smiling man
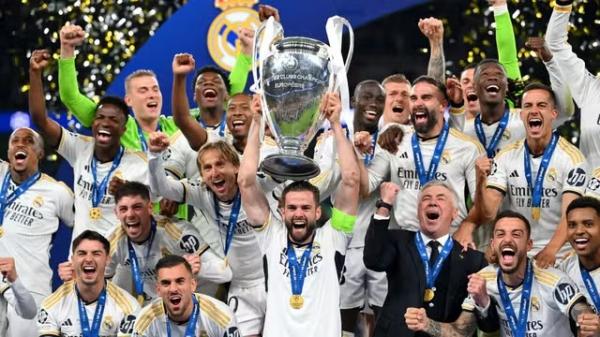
(179, 312)
(425, 269)
(529, 301)
(583, 231)
(88, 306)
(539, 175)
(100, 163)
(32, 206)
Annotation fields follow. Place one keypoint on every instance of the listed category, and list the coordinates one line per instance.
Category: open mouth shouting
(103, 136)
(580, 243)
(432, 214)
(421, 116)
(507, 254)
(238, 124)
(472, 95)
(175, 301)
(20, 157)
(535, 124)
(371, 115)
(89, 271)
(152, 105)
(492, 90)
(398, 108)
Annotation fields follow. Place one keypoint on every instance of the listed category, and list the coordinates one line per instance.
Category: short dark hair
(116, 101)
(132, 188)
(92, 236)
(395, 78)
(469, 66)
(430, 80)
(513, 215)
(367, 82)
(488, 61)
(300, 186)
(540, 86)
(584, 202)
(216, 70)
(170, 261)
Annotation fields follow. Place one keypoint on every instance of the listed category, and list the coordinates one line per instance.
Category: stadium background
(125, 35)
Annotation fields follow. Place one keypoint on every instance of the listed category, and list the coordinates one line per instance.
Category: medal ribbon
(298, 269)
(518, 326)
(590, 286)
(98, 191)
(435, 159)
(190, 330)
(369, 156)
(221, 125)
(138, 280)
(537, 189)
(431, 275)
(490, 148)
(86, 329)
(6, 200)
(143, 142)
(233, 216)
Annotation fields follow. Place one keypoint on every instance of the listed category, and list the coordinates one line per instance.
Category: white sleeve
(582, 84)
(498, 177)
(576, 178)
(174, 158)
(326, 158)
(214, 268)
(564, 100)
(379, 169)
(65, 207)
(71, 144)
(160, 183)
(20, 298)
(470, 174)
(230, 329)
(565, 293)
(266, 233)
(457, 118)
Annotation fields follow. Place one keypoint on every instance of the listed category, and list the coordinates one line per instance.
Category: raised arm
(83, 108)
(505, 40)
(183, 64)
(18, 295)
(433, 29)
(254, 202)
(346, 197)
(160, 183)
(37, 104)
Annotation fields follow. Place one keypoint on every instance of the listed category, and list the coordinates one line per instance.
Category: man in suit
(418, 275)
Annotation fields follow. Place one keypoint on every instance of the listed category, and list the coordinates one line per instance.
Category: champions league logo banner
(208, 30)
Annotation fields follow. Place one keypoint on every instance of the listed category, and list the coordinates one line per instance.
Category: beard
(300, 234)
(432, 118)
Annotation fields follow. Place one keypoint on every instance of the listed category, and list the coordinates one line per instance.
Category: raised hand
(391, 138)
(266, 11)
(246, 38)
(538, 45)
(39, 60)
(183, 64)
(454, 91)
(477, 290)
(432, 28)
(114, 184)
(194, 261)
(332, 107)
(7, 268)
(416, 319)
(158, 142)
(388, 192)
(66, 272)
(71, 35)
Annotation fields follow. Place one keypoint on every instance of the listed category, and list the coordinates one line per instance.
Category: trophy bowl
(294, 80)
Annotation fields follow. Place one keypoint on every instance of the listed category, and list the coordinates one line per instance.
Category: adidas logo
(514, 174)
(67, 323)
(404, 155)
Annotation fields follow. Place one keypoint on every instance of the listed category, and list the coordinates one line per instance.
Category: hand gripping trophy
(292, 75)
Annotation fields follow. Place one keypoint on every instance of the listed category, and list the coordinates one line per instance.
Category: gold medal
(296, 301)
(140, 299)
(95, 213)
(429, 295)
(1, 232)
(535, 213)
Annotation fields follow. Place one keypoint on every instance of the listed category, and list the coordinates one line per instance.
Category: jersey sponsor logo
(564, 293)
(189, 243)
(514, 174)
(126, 326)
(534, 328)
(313, 264)
(576, 177)
(42, 316)
(166, 155)
(68, 322)
(232, 332)
(410, 178)
(86, 189)
(404, 155)
(23, 214)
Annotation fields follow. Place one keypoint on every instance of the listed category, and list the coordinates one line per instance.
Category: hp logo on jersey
(564, 292)
(576, 177)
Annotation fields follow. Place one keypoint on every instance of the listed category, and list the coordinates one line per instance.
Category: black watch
(381, 203)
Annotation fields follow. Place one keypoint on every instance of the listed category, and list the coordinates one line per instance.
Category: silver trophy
(292, 75)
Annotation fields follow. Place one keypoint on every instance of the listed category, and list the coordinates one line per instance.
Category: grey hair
(38, 140)
(444, 184)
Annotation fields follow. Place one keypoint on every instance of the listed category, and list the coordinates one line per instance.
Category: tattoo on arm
(437, 65)
(464, 326)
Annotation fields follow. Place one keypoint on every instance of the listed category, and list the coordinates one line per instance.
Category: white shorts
(249, 306)
(18, 326)
(360, 284)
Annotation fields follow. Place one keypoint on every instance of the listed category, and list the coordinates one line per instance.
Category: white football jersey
(583, 85)
(570, 266)
(18, 297)
(552, 295)
(172, 237)
(28, 225)
(180, 159)
(593, 186)
(78, 151)
(566, 173)
(215, 320)
(515, 130)
(59, 313)
(456, 167)
(320, 314)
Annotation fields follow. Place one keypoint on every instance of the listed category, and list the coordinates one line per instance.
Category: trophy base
(289, 167)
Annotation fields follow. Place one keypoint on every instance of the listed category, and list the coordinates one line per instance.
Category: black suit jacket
(394, 252)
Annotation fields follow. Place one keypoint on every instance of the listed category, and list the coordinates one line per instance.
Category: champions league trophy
(292, 75)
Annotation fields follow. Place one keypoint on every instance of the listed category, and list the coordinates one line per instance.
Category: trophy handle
(339, 67)
(264, 37)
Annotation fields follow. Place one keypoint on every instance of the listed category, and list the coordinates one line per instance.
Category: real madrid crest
(222, 34)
